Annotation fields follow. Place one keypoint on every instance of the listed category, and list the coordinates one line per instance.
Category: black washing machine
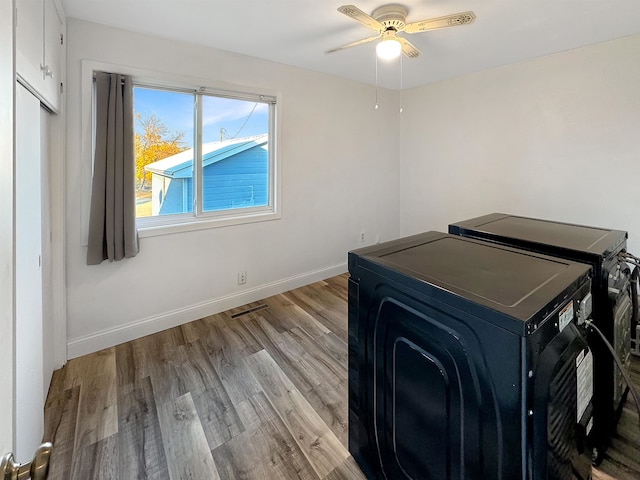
(467, 361)
(611, 290)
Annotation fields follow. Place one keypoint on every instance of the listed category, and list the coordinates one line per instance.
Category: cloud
(228, 110)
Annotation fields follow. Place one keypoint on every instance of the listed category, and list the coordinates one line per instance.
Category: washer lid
(520, 284)
(579, 238)
(500, 276)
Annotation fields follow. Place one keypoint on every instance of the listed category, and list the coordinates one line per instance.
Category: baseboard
(108, 338)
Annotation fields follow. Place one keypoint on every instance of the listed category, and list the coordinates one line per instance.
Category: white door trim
(7, 217)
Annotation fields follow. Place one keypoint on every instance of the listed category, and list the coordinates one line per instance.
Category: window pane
(163, 151)
(235, 154)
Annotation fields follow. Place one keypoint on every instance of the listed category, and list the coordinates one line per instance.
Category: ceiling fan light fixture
(388, 49)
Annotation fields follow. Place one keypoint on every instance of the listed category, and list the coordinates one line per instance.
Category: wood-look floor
(258, 392)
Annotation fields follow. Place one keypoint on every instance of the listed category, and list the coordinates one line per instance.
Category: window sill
(192, 224)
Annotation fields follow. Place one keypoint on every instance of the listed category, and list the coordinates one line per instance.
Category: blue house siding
(167, 194)
(173, 198)
(237, 181)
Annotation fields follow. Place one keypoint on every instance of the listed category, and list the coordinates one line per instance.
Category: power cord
(627, 257)
(627, 379)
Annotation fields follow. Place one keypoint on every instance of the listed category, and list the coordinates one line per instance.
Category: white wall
(339, 176)
(556, 137)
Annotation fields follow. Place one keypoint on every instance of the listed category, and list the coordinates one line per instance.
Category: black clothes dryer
(466, 361)
(611, 290)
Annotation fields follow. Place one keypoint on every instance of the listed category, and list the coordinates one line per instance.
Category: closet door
(39, 49)
(30, 42)
(52, 55)
(29, 347)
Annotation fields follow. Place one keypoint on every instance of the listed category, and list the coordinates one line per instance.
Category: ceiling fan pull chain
(376, 107)
(400, 83)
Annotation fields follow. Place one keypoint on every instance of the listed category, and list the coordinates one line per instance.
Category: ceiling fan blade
(355, 44)
(454, 20)
(358, 15)
(407, 48)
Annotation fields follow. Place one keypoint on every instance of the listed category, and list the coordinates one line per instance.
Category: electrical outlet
(242, 277)
(361, 237)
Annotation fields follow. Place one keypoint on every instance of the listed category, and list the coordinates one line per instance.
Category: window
(203, 156)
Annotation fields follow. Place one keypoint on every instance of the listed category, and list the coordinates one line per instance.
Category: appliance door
(436, 412)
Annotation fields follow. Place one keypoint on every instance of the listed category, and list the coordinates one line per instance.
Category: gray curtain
(112, 220)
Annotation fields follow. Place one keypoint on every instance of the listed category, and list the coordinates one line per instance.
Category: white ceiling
(298, 32)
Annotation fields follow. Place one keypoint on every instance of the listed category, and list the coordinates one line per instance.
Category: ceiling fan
(389, 20)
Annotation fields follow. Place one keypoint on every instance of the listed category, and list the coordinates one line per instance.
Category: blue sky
(235, 117)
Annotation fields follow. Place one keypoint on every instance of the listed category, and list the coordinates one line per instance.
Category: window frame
(198, 219)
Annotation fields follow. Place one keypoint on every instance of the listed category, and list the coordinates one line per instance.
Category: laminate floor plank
(320, 360)
(330, 406)
(622, 458)
(238, 381)
(265, 450)
(318, 443)
(170, 336)
(58, 381)
(614, 470)
(195, 367)
(131, 361)
(622, 453)
(96, 461)
(336, 347)
(98, 403)
(628, 428)
(241, 339)
(141, 451)
(321, 386)
(60, 427)
(188, 369)
(228, 333)
(176, 370)
(320, 302)
(227, 349)
(285, 318)
(340, 285)
(283, 314)
(327, 377)
(185, 444)
(599, 475)
(163, 372)
(347, 470)
(208, 330)
(311, 368)
(271, 340)
(218, 415)
(151, 356)
(318, 386)
(78, 369)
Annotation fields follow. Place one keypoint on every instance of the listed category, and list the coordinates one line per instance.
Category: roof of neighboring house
(180, 164)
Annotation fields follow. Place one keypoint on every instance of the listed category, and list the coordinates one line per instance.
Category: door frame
(7, 220)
